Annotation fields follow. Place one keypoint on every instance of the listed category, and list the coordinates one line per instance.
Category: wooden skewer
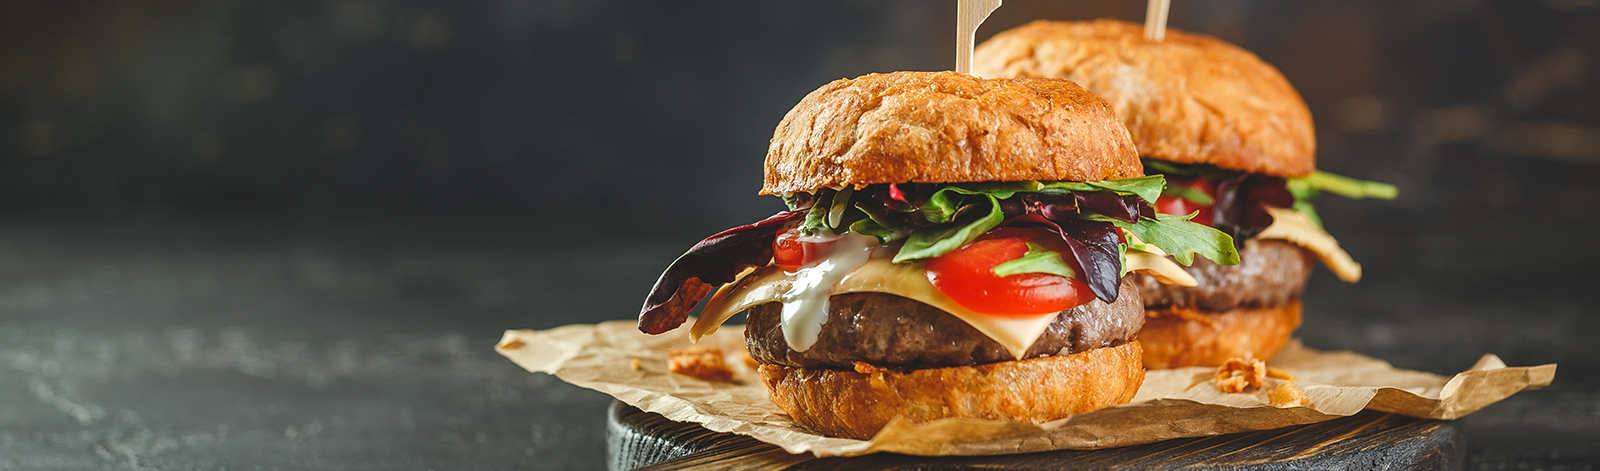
(1155, 19)
(970, 14)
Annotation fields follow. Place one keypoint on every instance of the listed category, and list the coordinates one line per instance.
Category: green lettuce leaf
(1147, 188)
(817, 217)
(1191, 194)
(1181, 238)
(838, 206)
(1037, 260)
(938, 240)
(1343, 186)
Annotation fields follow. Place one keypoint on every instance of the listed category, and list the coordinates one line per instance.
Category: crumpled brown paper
(1171, 404)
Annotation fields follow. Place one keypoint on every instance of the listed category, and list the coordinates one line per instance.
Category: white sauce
(805, 305)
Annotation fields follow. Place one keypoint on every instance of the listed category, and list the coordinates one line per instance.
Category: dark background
(286, 234)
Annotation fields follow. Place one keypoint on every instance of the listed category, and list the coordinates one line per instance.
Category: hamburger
(953, 247)
(1236, 144)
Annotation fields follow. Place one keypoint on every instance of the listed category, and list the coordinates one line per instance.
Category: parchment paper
(1171, 404)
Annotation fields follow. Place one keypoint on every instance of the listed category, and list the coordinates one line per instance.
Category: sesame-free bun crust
(1175, 338)
(856, 405)
(1189, 98)
(945, 127)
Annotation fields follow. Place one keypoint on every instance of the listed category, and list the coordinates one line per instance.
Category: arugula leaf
(879, 223)
(1001, 190)
(948, 202)
(938, 240)
(1344, 186)
(1191, 194)
(1303, 205)
(941, 207)
(873, 228)
(1037, 260)
(817, 216)
(838, 206)
(1181, 238)
(1147, 187)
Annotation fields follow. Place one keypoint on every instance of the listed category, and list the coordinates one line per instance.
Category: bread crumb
(1287, 395)
(1238, 375)
(749, 361)
(635, 364)
(703, 362)
(864, 368)
(1275, 373)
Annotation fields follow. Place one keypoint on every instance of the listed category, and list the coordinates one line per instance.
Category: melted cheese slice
(1154, 262)
(878, 275)
(1290, 225)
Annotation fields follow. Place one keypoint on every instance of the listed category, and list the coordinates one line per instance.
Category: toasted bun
(1177, 338)
(945, 127)
(1189, 99)
(856, 405)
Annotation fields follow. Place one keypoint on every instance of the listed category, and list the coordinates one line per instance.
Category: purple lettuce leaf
(712, 262)
(1242, 202)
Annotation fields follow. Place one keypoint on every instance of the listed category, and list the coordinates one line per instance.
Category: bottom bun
(856, 405)
(1184, 337)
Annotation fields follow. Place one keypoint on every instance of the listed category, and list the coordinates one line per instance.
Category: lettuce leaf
(712, 262)
(816, 218)
(1191, 194)
(1344, 186)
(1181, 238)
(1147, 187)
(938, 240)
(1037, 260)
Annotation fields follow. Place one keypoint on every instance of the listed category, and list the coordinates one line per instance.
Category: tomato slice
(967, 276)
(1182, 207)
(791, 253)
(788, 252)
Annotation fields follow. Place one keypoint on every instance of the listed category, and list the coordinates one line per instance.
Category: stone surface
(274, 344)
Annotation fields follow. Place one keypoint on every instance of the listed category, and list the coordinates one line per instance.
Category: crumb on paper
(635, 364)
(703, 362)
(865, 368)
(1287, 395)
(509, 344)
(1275, 373)
(1238, 375)
(749, 361)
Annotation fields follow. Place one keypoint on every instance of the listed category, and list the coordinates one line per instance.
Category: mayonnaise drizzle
(805, 305)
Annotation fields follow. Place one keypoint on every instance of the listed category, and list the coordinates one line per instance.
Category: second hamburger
(1236, 144)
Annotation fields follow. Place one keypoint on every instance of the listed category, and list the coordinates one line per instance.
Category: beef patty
(1269, 273)
(889, 331)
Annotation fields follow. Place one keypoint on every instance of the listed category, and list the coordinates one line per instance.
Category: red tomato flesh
(1183, 207)
(788, 252)
(791, 254)
(967, 276)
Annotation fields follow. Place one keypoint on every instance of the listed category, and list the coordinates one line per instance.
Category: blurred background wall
(630, 114)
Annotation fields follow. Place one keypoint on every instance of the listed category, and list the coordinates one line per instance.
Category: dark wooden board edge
(1369, 440)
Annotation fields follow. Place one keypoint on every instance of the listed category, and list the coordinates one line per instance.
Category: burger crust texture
(1177, 337)
(946, 127)
(1189, 98)
(857, 405)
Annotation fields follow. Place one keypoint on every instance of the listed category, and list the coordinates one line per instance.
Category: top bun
(945, 127)
(1188, 99)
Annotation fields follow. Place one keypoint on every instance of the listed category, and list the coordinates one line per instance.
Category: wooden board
(1369, 440)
